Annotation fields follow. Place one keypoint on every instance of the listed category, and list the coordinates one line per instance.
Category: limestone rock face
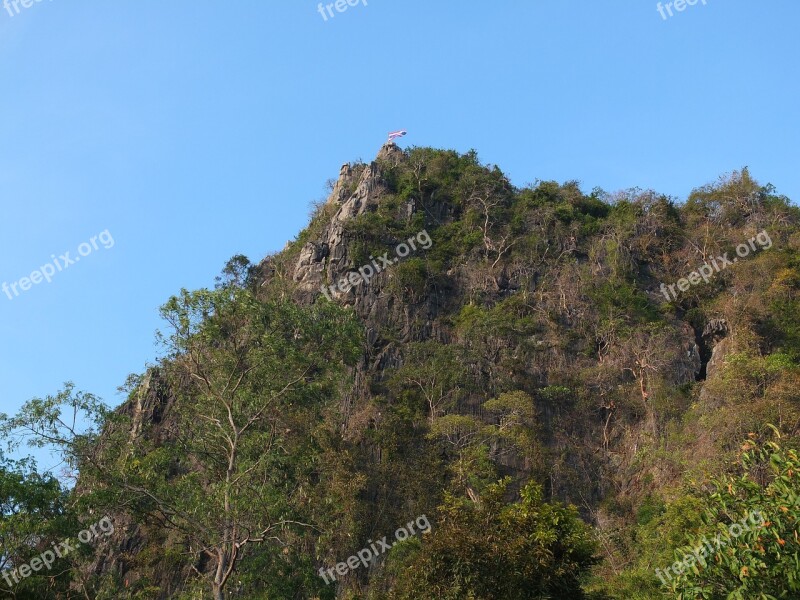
(359, 189)
(151, 406)
(714, 336)
(687, 369)
(151, 415)
(347, 175)
(714, 331)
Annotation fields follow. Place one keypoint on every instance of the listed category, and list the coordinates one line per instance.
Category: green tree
(496, 551)
(33, 513)
(757, 559)
(475, 446)
(250, 379)
(434, 373)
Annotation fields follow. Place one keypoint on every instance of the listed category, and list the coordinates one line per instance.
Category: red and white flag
(396, 134)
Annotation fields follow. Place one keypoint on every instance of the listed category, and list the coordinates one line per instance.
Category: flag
(396, 134)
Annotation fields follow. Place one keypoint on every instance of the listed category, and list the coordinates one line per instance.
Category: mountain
(554, 380)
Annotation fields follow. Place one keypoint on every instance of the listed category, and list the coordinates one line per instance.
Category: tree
(496, 551)
(477, 446)
(434, 371)
(252, 377)
(231, 469)
(749, 546)
(488, 195)
(33, 513)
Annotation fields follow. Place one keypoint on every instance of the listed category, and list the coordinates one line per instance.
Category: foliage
(531, 340)
(763, 561)
(493, 550)
(34, 513)
(250, 379)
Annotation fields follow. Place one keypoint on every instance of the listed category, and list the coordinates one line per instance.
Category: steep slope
(534, 319)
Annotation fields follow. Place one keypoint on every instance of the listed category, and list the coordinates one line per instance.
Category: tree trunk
(218, 585)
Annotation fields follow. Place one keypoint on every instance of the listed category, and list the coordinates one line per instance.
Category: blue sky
(194, 130)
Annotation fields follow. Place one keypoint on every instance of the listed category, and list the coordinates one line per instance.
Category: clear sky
(195, 130)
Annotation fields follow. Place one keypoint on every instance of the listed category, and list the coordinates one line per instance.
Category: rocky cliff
(544, 291)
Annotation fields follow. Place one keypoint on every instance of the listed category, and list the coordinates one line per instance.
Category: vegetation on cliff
(567, 426)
